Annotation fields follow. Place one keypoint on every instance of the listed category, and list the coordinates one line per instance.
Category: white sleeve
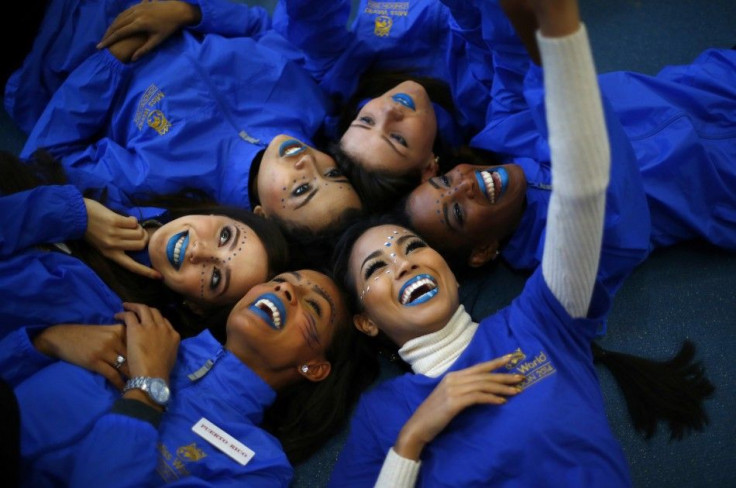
(581, 163)
(397, 472)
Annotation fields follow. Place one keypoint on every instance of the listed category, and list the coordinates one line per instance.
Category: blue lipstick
(404, 100)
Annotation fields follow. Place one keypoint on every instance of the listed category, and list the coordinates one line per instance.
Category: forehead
(379, 238)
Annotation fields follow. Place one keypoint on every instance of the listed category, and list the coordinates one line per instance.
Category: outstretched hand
(93, 347)
(457, 391)
(112, 234)
(150, 22)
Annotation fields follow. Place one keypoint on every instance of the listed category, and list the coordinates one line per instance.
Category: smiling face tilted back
(300, 184)
(470, 209)
(286, 324)
(210, 259)
(405, 288)
(395, 132)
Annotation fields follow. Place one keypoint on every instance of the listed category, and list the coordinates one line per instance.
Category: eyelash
(400, 139)
(315, 306)
(458, 214)
(374, 266)
(333, 173)
(445, 180)
(366, 120)
(413, 245)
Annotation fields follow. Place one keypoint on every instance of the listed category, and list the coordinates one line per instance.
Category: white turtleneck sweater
(580, 172)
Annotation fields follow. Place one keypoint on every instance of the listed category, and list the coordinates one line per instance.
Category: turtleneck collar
(433, 354)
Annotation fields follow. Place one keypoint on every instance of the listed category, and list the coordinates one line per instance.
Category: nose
(392, 111)
(303, 162)
(403, 266)
(466, 186)
(198, 252)
(286, 290)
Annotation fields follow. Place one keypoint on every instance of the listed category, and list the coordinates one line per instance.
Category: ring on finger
(119, 361)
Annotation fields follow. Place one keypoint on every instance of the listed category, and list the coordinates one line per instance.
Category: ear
(316, 370)
(258, 210)
(365, 325)
(431, 169)
(482, 253)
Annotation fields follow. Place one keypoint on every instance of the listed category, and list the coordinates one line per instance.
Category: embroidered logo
(382, 26)
(148, 114)
(534, 370)
(190, 453)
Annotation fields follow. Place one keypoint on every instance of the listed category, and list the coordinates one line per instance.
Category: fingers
(112, 375)
(132, 265)
(152, 42)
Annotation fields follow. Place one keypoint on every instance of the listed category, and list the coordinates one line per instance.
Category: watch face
(159, 391)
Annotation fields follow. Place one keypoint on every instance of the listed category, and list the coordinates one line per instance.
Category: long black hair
(308, 414)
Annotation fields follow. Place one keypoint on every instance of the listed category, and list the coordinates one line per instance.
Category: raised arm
(580, 155)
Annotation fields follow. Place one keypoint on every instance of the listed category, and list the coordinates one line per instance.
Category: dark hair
(671, 391)
(377, 189)
(44, 169)
(307, 414)
(309, 247)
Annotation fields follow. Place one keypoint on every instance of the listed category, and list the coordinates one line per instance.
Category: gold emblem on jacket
(382, 26)
(157, 120)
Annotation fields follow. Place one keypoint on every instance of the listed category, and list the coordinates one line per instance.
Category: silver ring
(119, 361)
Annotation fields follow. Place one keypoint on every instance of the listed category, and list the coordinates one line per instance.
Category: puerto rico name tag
(223, 441)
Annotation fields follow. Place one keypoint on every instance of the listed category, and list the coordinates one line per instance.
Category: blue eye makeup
(404, 100)
(291, 147)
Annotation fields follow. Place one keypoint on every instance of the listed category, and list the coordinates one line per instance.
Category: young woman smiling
(204, 423)
(420, 428)
(208, 256)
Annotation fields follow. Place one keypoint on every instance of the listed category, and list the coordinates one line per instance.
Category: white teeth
(177, 249)
(414, 286)
(267, 306)
(292, 150)
(490, 185)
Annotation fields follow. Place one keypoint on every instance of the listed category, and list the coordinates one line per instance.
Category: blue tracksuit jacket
(70, 438)
(555, 433)
(193, 114)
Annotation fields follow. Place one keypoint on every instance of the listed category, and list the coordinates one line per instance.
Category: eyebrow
(372, 255)
(388, 141)
(306, 200)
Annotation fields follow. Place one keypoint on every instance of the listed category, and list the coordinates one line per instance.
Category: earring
(437, 160)
(305, 369)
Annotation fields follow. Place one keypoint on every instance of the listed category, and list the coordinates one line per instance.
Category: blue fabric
(554, 433)
(69, 437)
(69, 33)
(627, 226)
(192, 115)
(680, 126)
(43, 215)
(41, 286)
(419, 35)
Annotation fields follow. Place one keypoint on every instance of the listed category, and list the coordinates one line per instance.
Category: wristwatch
(156, 388)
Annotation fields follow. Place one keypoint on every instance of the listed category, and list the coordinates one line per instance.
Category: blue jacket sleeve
(43, 215)
(18, 358)
(69, 129)
(231, 19)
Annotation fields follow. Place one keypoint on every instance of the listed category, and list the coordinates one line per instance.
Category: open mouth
(176, 248)
(271, 309)
(493, 182)
(404, 99)
(418, 290)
